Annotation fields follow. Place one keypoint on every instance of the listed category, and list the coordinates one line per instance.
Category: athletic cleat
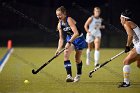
(87, 62)
(77, 78)
(69, 78)
(123, 84)
(97, 65)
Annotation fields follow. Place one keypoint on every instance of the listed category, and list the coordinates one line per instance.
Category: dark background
(33, 22)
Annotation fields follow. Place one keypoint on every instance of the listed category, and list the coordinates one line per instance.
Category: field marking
(4, 60)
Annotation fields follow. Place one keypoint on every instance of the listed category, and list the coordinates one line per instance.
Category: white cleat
(97, 65)
(77, 78)
(87, 61)
(69, 78)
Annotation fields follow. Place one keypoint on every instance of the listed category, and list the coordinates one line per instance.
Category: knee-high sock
(126, 72)
(96, 56)
(88, 54)
(79, 68)
(67, 65)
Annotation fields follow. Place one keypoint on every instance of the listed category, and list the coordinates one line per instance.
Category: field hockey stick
(103, 64)
(41, 67)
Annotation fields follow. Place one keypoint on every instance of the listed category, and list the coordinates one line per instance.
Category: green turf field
(52, 78)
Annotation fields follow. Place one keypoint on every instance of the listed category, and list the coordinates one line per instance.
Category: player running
(74, 39)
(133, 32)
(92, 27)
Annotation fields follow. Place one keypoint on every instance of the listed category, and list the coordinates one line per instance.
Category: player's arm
(129, 32)
(102, 25)
(61, 40)
(72, 25)
(86, 26)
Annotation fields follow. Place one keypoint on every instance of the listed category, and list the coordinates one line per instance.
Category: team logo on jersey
(66, 29)
(97, 22)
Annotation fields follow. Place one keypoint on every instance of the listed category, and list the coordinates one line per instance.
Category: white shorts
(90, 38)
(137, 46)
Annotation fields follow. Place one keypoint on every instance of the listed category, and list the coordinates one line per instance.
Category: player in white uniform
(92, 27)
(133, 32)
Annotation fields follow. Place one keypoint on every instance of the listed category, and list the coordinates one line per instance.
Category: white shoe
(69, 78)
(96, 65)
(87, 61)
(77, 78)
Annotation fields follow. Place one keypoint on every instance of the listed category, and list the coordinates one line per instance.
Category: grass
(52, 78)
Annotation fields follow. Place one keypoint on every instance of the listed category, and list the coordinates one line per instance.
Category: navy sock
(67, 65)
(79, 68)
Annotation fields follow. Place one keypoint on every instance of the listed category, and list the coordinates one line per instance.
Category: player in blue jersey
(74, 40)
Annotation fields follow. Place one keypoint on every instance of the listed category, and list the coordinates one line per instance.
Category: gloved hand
(127, 49)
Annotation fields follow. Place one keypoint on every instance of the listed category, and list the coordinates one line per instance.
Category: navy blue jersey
(67, 29)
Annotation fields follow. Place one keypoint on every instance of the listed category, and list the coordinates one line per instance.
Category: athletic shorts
(94, 34)
(137, 46)
(79, 43)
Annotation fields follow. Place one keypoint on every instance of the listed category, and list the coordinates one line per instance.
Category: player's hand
(57, 52)
(102, 27)
(89, 33)
(127, 49)
(68, 44)
(97, 26)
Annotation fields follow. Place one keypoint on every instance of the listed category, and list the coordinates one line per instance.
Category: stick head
(90, 74)
(34, 72)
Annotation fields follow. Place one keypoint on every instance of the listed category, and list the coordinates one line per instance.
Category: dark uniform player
(75, 40)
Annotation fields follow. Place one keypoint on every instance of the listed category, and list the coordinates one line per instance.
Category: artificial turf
(52, 78)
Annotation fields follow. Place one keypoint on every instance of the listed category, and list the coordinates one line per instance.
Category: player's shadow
(59, 81)
(115, 73)
(135, 84)
(99, 83)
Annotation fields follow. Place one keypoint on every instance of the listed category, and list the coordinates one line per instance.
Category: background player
(92, 27)
(68, 26)
(133, 32)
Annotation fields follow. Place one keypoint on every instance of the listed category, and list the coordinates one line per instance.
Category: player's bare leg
(132, 57)
(138, 62)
